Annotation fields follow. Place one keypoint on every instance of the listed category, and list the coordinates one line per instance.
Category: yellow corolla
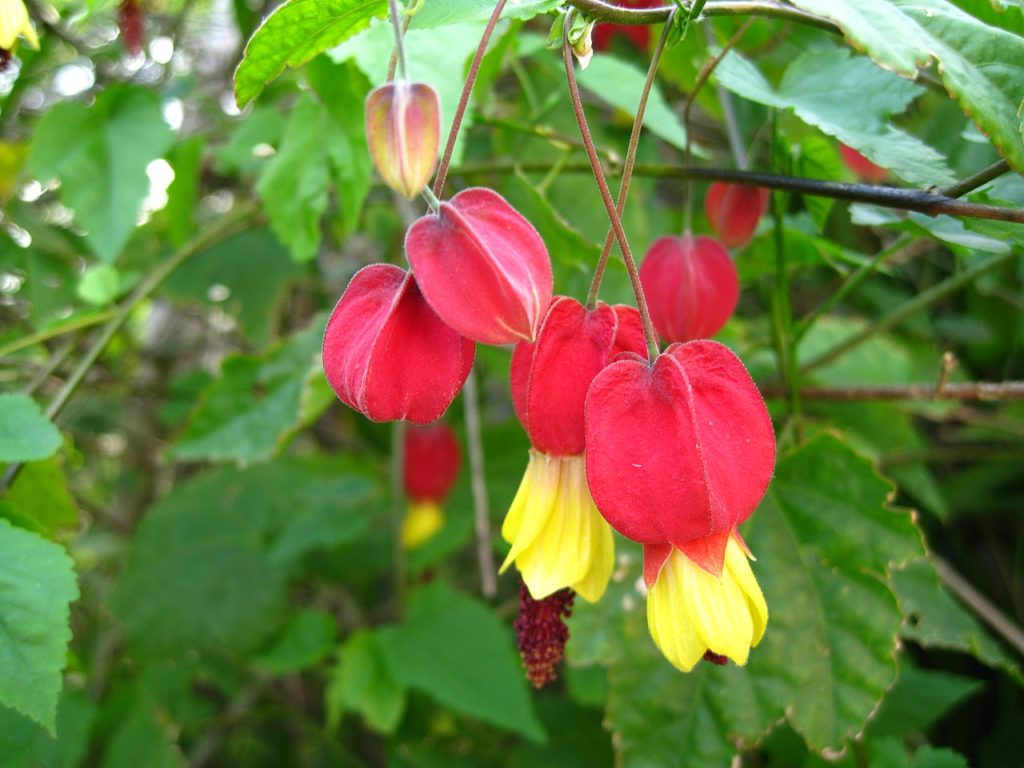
(558, 537)
(14, 22)
(422, 520)
(691, 611)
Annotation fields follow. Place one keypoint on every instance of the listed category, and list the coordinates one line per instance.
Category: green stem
(604, 11)
(627, 170)
(398, 56)
(72, 325)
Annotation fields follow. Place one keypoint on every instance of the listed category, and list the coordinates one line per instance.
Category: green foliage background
(197, 560)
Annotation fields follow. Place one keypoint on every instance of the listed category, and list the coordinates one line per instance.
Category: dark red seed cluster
(715, 658)
(5, 59)
(542, 633)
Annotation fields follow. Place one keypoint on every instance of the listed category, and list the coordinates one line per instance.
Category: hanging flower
(861, 166)
(387, 354)
(14, 23)
(678, 453)
(733, 211)
(691, 286)
(431, 466)
(482, 267)
(403, 129)
(557, 535)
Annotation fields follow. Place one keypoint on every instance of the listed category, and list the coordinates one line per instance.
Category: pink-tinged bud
(691, 286)
(403, 129)
(733, 211)
(861, 166)
(482, 266)
(131, 21)
(679, 450)
(386, 352)
(550, 377)
(431, 462)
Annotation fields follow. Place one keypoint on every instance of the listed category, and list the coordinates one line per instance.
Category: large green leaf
(982, 66)
(455, 649)
(37, 585)
(848, 98)
(296, 32)
(255, 404)
(25, 743)
(100, 154)
(825, 541)
(361, 682)
(25, 433)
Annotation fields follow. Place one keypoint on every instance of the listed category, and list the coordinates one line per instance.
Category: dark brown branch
(963, 391)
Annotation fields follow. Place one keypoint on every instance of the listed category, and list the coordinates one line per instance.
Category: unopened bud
(403, 129)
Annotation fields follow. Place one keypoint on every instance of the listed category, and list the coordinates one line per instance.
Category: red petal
(655, 556)
(709, 552)
(431, 462)
(388, 355)
(861, 166)
(691, 286)
(679, 450)
(733, 211)
(482, 266)
(629, 336)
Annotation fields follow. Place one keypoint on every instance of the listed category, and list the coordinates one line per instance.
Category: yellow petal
(738, 566)
(422, 520)
(672, 631)
(14, 21)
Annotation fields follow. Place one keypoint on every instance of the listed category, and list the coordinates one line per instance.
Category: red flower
(733, 211)
(482, 266)
(388, 355)
(691, 287)
(431, 466)
(861, 166)
(403, 129)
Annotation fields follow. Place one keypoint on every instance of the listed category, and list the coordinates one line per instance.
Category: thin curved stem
(606, 196)
(627, 169)
(398, 59)
(467, 89)
(982, 177)
(603, 11)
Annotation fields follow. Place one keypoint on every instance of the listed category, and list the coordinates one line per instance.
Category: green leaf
(296, 32)
(361, 682)
(434, 14)
(919, 697)
(25, 433)
(982, 66)
(37, 585)
(99, 285)
(620, 83)
(846, 97)
(307, 640)
(25, 743)
(100, 154)
(183, 194)
(40, 494)
(825, 540)
(250, 410)
(455, 649)
(143, 738)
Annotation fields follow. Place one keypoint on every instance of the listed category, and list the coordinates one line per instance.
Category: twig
(976, 180)
(397, 512)
(72, 325)
(980, 605)
(478, 484)
(399, 53)
(467, 89)
(603, 11)
(972, 391)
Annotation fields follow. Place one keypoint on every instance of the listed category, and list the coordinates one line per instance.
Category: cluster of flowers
(672, 452)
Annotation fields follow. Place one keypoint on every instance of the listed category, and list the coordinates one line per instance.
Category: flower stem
(627, 170)
(478, 483)
(396, 22)
(606, 195)
(460, 111)
(398, 430)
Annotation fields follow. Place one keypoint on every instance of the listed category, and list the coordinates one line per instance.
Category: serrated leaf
(296, 32)
(37, 586)
(361, 682)
(848, 98)
(25, 433)
(100, 154)
(455, 649)
(825, 540)
(982, 66)
(248, 412)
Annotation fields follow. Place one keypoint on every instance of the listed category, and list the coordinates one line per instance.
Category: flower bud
(733, 211)
(388, 355)
(691, 286)
(679, 450)
(861, 166)
(403, 129)
(482, 266)
(431, 462)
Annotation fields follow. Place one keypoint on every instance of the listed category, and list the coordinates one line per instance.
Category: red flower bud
(431, 462)
(733, 211)
(131, 20)
(550, 377)
(482, 266)
(691, 286)
(403, 129)
(679, 450)
(861, 166)
(388, 355)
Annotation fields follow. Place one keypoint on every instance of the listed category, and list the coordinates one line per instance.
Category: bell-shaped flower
(558, 537)
(388, 355)
(703, 601)
(403, 130)
(431, 466)
(482, 266)
(861, 166)
(14, 23)
(679, 452)
(733, 211)
(691, 286)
